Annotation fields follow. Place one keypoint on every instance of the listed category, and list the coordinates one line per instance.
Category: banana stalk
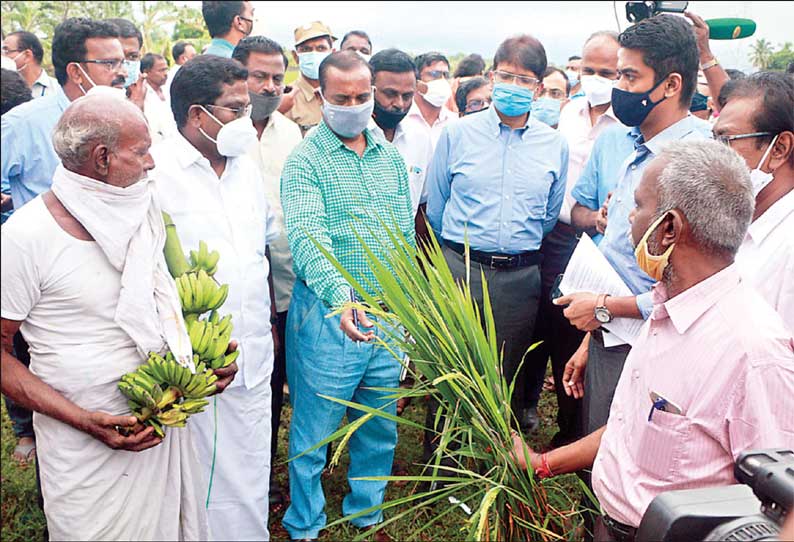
(174, 255)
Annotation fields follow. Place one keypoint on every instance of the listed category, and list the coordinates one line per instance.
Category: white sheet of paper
(589, 271)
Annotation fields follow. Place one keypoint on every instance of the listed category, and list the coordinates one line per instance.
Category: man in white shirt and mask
(214, 193)
(278, 136)
(428, 112)
(757, 121)
(85, 280)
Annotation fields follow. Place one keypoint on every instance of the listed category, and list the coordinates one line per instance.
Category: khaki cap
(312, 30)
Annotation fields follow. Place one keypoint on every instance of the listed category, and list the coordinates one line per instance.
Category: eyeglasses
(239, 112)
(553, 93)
(726, 139)
(438, 74)
(111, 64)
(5, 51)
(523, 80)
(246, 19)
(476, 105)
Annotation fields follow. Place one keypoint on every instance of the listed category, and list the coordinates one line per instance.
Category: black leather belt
(498, 261)
(619, 531)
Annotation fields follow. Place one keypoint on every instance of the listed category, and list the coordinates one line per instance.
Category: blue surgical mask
(573, 77)
(547, 111)
(511, 100)
(309, 63)
(348, 120)
(133, 72)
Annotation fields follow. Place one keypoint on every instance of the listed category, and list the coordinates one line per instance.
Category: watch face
(603, 315)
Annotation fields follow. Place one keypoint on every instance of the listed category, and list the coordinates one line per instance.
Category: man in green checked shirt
(340, 180)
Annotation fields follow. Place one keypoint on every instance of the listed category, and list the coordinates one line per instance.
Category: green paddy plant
(455, 358)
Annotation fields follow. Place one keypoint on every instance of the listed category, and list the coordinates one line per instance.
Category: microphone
(730, 28)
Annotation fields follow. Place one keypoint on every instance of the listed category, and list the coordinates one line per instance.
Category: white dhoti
(239, 482)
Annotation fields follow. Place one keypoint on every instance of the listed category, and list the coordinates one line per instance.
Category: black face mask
(632, 108)
(387, 119)
(263, 105)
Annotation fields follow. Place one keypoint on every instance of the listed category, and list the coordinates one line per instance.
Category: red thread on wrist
(545, 470)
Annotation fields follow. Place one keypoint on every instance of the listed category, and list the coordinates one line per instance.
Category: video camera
(637, 10)
(728, 512)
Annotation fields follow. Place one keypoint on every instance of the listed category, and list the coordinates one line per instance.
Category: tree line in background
(152, 18)
(764, 57)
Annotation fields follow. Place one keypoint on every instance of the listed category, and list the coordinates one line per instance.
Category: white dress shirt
(766, 258)
(278, 140)
(231, 214)
(416, 148)
(415, 121)
(581, 134)
(158, 115)
(44, 85)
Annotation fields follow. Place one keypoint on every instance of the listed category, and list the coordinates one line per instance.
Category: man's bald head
(96, 129)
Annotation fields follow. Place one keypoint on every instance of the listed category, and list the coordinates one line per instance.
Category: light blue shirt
(28, 157)
(616, 245)
(220, 47)
(600, 173)
(502, 188)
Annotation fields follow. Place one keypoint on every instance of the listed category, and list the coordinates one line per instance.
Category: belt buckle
(494, 259)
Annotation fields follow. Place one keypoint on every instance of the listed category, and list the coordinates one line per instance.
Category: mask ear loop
(766, 153)
(213, 118)
(87, 77)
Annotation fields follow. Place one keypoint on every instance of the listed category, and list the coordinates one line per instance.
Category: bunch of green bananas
(210, 339)
(199, 292)
(204, 259)
(162, 392)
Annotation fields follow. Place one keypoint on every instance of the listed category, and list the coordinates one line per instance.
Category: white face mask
(597, 89)
(760, 178)
(365, 56)
(101, 90)
(438, 92)
(235, 137)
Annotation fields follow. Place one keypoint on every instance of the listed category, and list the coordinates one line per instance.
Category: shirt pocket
(657, 446)
(531, 191)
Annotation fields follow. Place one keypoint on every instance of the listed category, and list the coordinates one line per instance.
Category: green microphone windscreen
(730, 28)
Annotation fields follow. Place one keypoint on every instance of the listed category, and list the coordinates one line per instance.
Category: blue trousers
(321, 359)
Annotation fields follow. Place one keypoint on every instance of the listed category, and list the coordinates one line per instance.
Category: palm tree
(760, 53)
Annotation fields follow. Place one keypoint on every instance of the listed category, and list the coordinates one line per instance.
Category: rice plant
(457, 360)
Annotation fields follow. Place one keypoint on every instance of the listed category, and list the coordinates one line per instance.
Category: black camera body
(728, 512)
(637, 10)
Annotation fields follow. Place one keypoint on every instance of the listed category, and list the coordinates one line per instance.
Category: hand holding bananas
(162, 392)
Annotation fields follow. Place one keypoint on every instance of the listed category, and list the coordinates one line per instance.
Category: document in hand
(589, 271)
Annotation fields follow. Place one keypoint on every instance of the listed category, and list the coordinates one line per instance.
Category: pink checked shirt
(722, 355)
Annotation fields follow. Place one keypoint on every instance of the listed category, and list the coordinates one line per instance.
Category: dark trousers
(602, 373)
(277, 380)
(604, 366)
(515, 295)
(559, 338)
(21, 418)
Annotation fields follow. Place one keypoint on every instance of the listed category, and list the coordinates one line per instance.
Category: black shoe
(528, 420)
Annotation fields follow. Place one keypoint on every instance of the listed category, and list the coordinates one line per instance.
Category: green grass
(23, 521)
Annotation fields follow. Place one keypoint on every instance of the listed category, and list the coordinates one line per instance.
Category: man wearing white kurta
(85, 280)
(215, 194)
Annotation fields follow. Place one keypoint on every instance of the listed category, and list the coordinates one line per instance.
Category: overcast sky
(453, 27)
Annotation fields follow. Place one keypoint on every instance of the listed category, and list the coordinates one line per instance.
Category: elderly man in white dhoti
(84, 279)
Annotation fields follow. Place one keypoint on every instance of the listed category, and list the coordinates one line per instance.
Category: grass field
(23, 521)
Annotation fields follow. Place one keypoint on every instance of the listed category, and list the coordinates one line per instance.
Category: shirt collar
(43, 80)
(186, 153)
(443, 115)
(772, 218)
(674, 132)
(495, 123)
(688, 306)
(61, 98)
(328, 141)
(584, 110)
(309, 92)
(222, 43)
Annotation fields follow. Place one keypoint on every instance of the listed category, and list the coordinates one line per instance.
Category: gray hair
(89, 121)
(710, 184)
(611, 34)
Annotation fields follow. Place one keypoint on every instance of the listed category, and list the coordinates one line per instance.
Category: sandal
(276, 499)
(548, 384)
(24, 453)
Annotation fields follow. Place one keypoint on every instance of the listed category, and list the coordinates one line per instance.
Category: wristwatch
(709, 64)
(601, 311)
